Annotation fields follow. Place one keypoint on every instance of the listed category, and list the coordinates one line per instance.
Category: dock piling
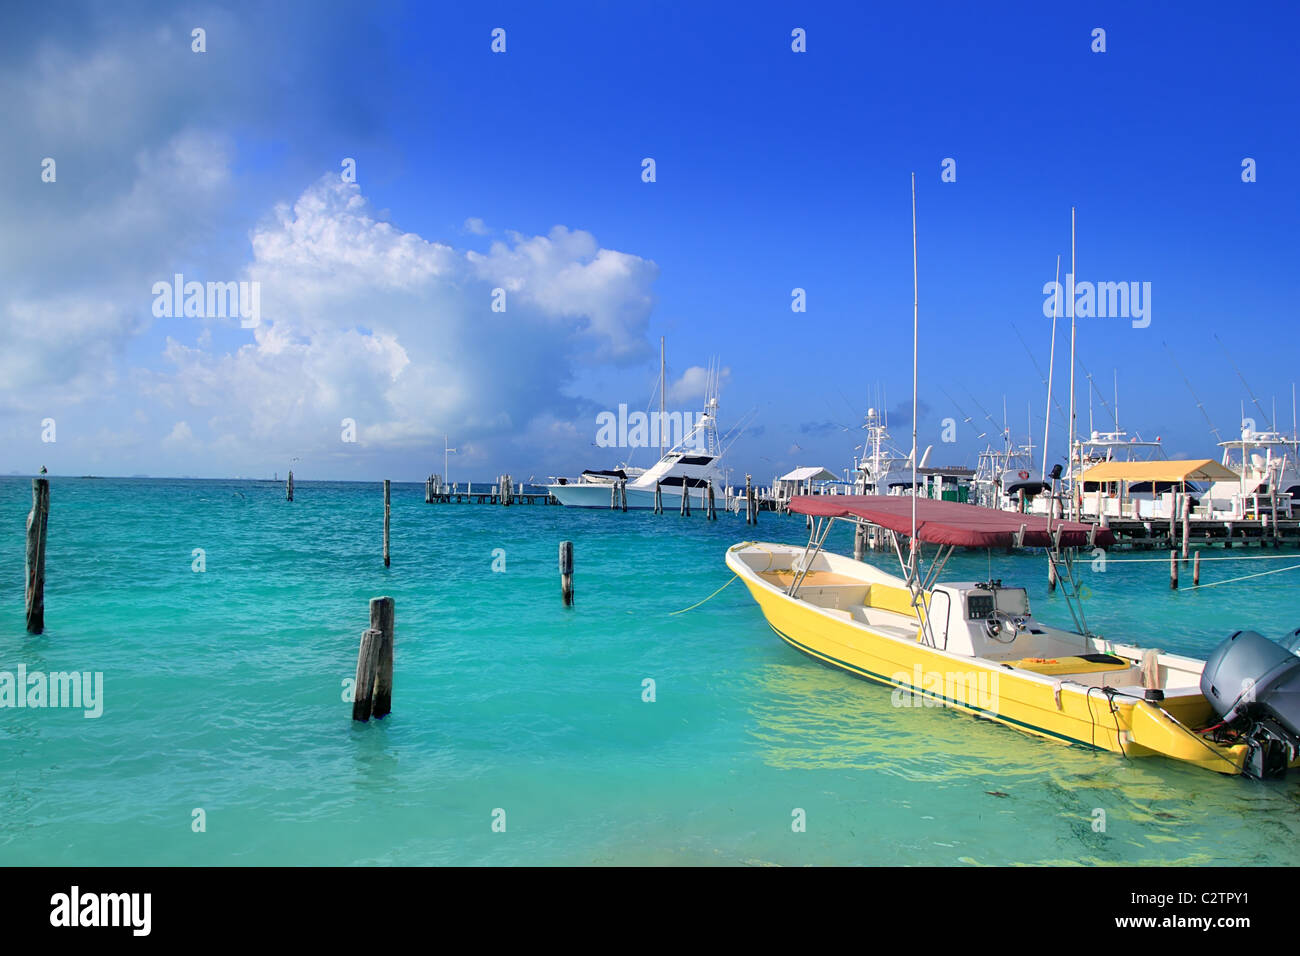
(288, 487)
(622, 494)
(381, 620)
(387, 508)
(1173, 569)
(1196, 570)
(1187, 525)
(566, 572)
(37, 525)
(659, 499)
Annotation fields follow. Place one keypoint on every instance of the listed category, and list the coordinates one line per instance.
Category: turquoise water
(223, 691)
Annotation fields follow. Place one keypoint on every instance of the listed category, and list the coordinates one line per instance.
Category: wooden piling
(711, 510)
(367, 671)
(613, 495)
(1051, 576)
(749, 500)
(387, 508)
(37, 525)
(1173, 570)
(566, 572)
(1196, 570)
(622, 494)
(659, 500)
(686, 498)
(381, 620)
(288, 487)
(1187, 525)
(859, 541)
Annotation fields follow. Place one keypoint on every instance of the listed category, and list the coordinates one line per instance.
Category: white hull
(640, 499)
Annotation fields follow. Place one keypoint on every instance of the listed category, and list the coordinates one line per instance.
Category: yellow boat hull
(1034, 704)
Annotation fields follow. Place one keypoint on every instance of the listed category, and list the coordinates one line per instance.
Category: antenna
(1073, 273)
(1116, 372)
(1051, 365)
(915, 323)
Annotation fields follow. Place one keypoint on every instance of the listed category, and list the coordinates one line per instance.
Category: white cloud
(179, 434)
(693, 383)
(362, 320)
(476, 226)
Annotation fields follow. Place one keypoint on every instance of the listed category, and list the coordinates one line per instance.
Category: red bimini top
(951, 522)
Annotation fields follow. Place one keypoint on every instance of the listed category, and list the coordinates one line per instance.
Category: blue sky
(522, 170)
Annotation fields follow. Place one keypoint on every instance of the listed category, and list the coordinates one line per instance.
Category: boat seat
(886, 597)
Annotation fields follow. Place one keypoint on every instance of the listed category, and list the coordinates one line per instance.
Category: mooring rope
(1244, 577)
(707, 599)
(1244, 557)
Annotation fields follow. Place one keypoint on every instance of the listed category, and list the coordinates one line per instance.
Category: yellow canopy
(1200, 469)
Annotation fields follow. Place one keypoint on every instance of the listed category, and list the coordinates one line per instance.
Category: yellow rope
(707, 599)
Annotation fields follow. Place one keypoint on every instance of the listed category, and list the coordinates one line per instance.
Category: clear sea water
(224, 691)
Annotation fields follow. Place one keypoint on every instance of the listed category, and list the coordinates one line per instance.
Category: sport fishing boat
(688, 468)
(977, 647)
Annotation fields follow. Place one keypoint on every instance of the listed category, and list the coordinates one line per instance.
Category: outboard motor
(1253, 684)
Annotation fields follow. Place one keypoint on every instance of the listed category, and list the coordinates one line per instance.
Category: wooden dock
(503, 492)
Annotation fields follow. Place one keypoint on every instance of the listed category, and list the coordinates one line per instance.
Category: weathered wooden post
(1196, 570)
(1173, 570)
(288, 487)
(622, 494)
(711, 511)
(686, 497)
(749, 500)
(566, 572)
(1187, 524)
(373, 692)
(859, 541)
(367, 670)
(386, 513)
(613, 495)
(659, 500)
(381, 620)
(37, 523)
(1051, 575)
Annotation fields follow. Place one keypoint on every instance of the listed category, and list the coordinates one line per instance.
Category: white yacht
(686, 468)
(1268, 477)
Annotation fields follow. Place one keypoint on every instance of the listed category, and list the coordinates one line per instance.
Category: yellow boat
(975, 646)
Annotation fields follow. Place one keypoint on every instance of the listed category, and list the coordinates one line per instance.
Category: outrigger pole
(915, 312)
(1051, 365)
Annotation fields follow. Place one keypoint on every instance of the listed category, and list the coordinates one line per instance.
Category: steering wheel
(994, 625)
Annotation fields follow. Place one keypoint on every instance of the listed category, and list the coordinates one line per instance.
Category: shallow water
(223, 690)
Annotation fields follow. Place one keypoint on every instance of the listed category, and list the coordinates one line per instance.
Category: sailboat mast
(1051, 365)
(662, 417)
(1073, 279)
(915, 313)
